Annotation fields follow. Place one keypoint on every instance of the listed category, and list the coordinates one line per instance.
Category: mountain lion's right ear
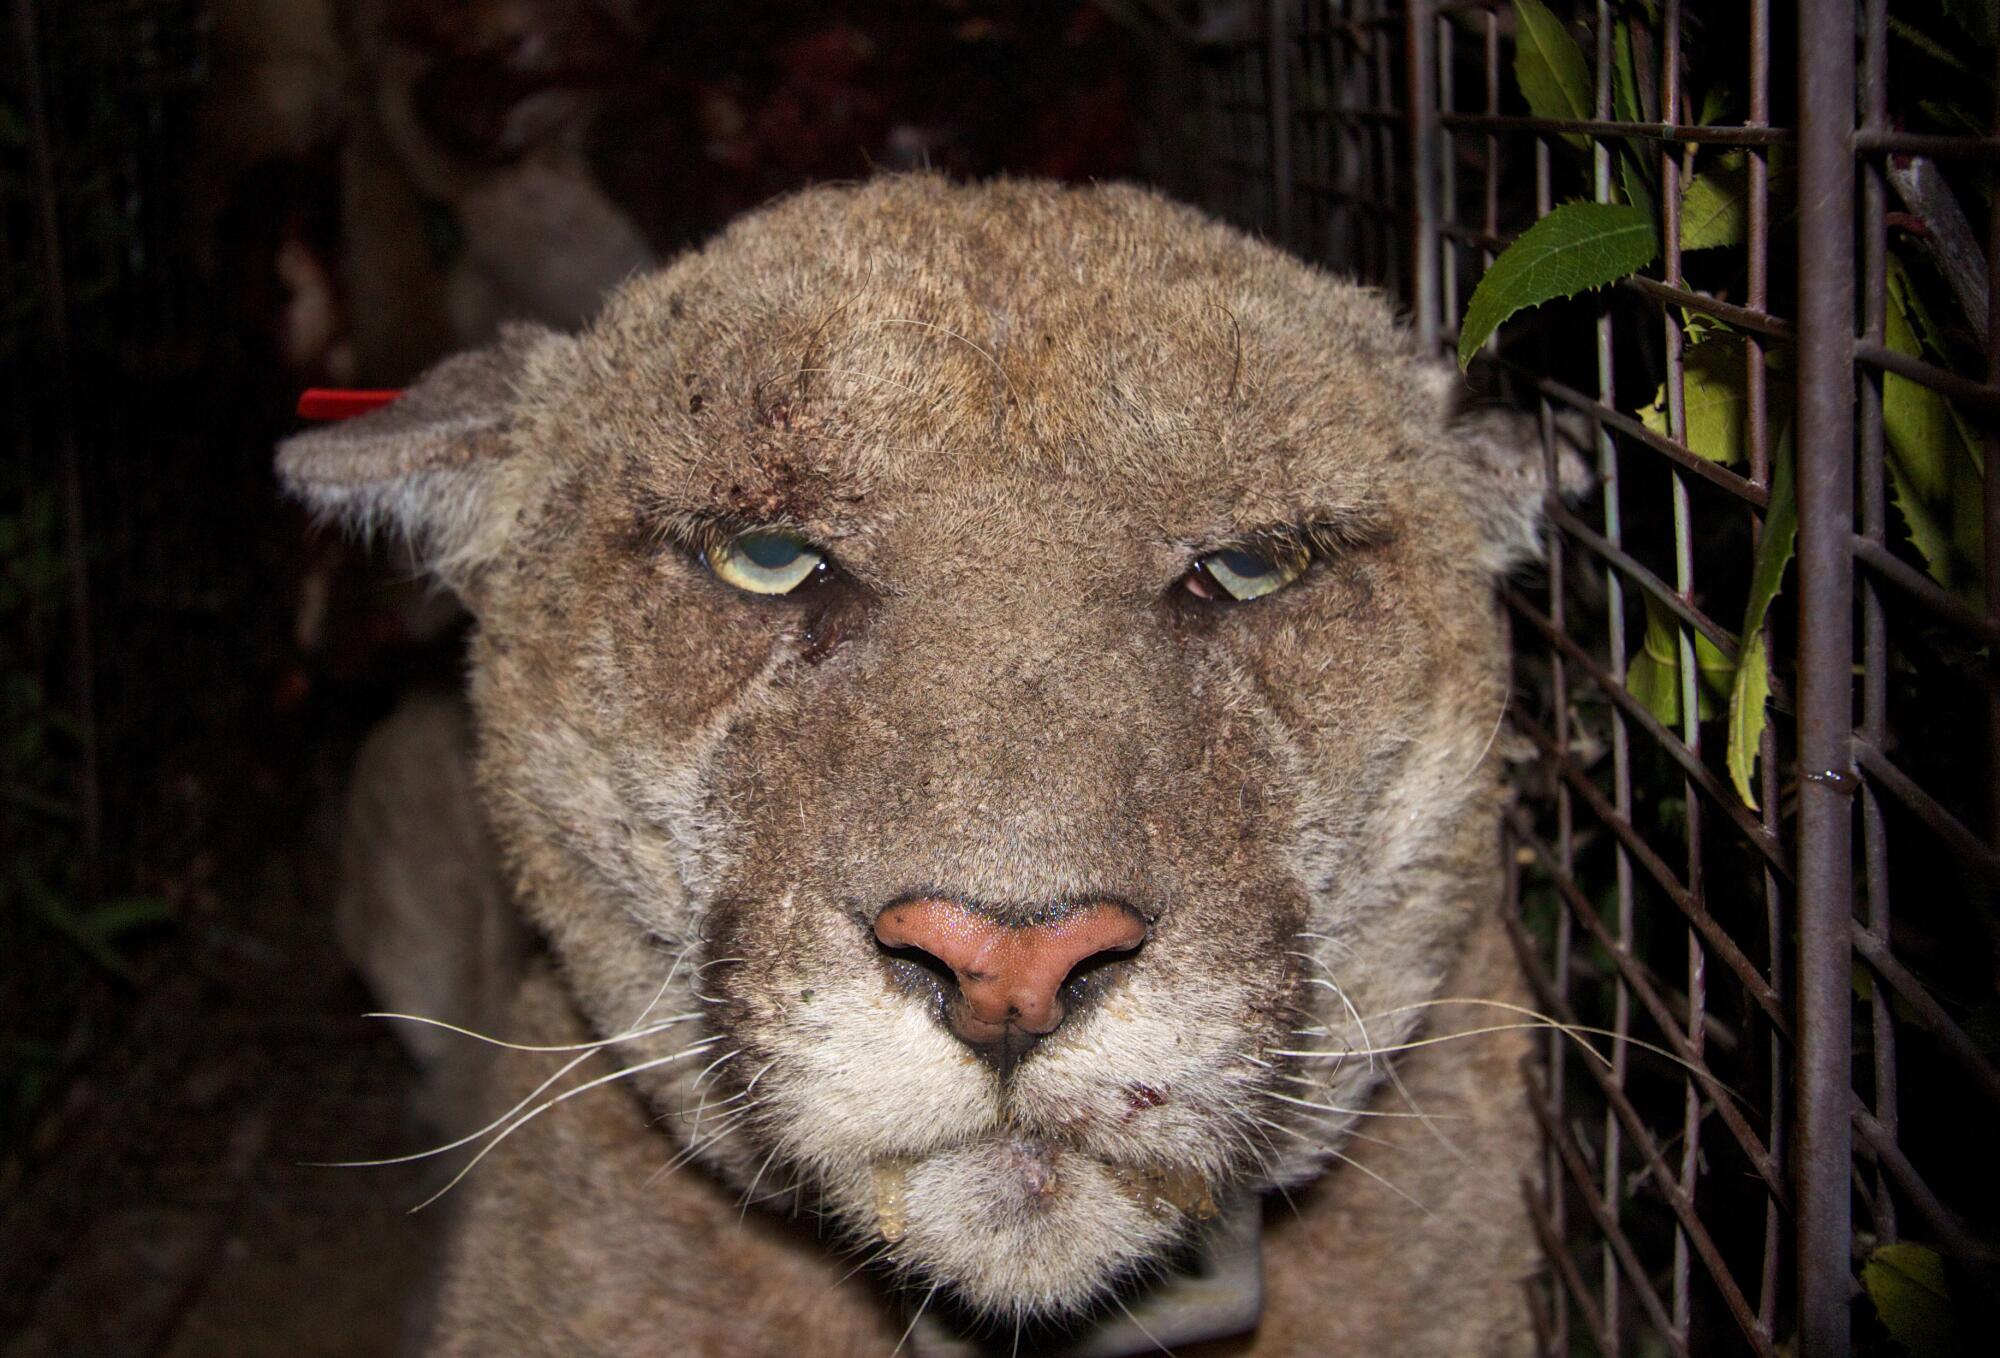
(439, 465)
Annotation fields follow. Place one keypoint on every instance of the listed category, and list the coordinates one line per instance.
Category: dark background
(203, 209)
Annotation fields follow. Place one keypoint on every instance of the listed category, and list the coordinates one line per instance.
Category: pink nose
(1008, 975)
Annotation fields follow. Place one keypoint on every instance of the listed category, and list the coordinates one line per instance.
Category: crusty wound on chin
(1029, 443)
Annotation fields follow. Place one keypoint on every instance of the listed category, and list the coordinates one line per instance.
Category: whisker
(744, 1209)
(622, 1073)
(1350, 1160)
(697, 1146)
(1570, 1030)
(469, 1137)
(1354, 1013)
(1458, 1152)
(1413, 1045)
(730, 1055)
(871, 1257)
(1150, 1337)
(910, 1329)
(1351, 1112)
(628, 1036)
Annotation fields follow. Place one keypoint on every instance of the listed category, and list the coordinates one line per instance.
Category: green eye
(1245, 573)
(765, 561)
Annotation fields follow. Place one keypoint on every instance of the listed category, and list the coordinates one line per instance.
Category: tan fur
(1013, 414)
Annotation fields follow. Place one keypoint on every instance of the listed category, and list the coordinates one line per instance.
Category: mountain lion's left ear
(1507, 477)
(440, 465)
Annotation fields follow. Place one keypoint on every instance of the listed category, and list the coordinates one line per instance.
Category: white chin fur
(1019, 1229)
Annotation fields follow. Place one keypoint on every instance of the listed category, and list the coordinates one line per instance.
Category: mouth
(1031, 1174)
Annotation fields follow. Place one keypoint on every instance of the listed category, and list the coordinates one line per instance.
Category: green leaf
(1713, 399)
(1924, 43)
(111, 919)
(1549, 67)
(1577, 247)
(1654, 676)
(1714, 104)
(1636, 183)
(1912, 1299)
(1751, 686)
(1624, 78)
(1715, 205)
(1933, 462)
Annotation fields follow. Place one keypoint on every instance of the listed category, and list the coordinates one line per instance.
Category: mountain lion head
(996, 684)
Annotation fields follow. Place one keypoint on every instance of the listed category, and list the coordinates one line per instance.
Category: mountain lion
(987, 695)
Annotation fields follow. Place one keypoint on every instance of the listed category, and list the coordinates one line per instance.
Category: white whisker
(619, 1074)
(469, 1137)
(910, 1329)
(1350, 1112)
(630, 1035)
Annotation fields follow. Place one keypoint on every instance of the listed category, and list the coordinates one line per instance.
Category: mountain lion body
(1027, 443)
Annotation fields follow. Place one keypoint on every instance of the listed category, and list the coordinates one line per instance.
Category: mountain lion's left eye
(1245, 573)
(765, 561)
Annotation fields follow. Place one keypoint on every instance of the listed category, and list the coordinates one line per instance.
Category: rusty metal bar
(1747, 491)
(1746, 972)
(1714, 136)
(1420, 64)
(1667, 596)
(1826, 311)
(1950, 384)
(1947, 607)
(1936, 145)
(1930, 1014)
(1754, 834)
(1579, 1291)
(1617, 1244)
(1278, 114)
(1882, 772)
(1622, 957)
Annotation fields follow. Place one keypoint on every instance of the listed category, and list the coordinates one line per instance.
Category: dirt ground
(176, 1214)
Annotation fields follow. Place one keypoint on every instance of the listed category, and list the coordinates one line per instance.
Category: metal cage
(1811, 1012)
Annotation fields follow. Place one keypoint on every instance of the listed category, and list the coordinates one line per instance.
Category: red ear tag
(341, 403)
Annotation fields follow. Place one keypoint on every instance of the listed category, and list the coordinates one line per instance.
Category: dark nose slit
(919, 973)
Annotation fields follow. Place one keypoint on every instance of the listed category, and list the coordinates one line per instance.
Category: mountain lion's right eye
(765, 561)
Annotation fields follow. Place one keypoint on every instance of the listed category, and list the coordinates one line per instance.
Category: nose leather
(1008, 974)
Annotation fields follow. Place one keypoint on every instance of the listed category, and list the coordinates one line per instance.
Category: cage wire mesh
(1786, 931)
(1794, 954)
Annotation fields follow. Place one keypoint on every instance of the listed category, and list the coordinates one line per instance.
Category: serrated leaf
(1934, 468)
(1750, 688)
(1713, 399)
(1654, 674)
(1549, 67)
(1912, 1299)
(1577, 247)
(1715, 205)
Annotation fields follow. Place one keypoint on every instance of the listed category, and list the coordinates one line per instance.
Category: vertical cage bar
(1422, 121)
(1278, 104)
(1826, 300)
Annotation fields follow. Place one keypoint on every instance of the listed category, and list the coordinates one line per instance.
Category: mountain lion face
(995, 683)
